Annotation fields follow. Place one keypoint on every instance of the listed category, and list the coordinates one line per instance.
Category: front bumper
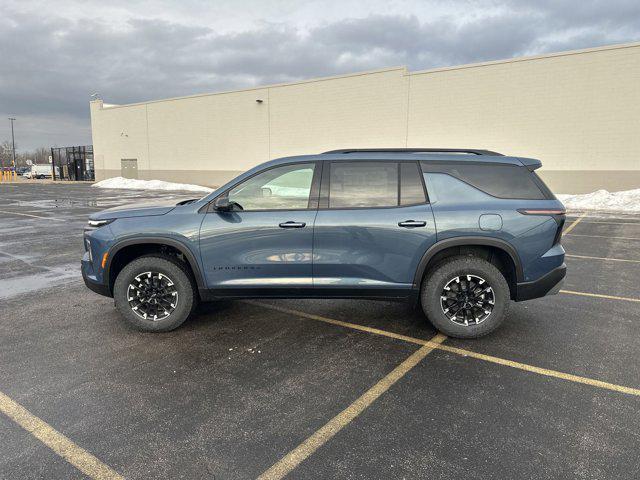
(548, 284)
(92, 283)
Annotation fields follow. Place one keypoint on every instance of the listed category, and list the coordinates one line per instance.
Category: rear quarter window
(497, 180)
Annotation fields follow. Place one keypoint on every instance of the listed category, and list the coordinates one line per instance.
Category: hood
(146, 209)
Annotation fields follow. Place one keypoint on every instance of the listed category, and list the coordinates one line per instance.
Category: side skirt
(394, 294)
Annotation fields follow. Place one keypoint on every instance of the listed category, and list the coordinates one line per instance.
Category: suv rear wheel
(465, 297)
(154, 293)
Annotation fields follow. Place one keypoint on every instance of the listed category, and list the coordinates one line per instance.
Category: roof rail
(416, 150)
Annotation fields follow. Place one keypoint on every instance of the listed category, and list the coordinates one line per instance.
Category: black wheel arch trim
(467, 241)
(180, 246)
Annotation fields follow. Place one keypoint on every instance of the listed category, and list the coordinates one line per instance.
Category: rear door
(372, 228)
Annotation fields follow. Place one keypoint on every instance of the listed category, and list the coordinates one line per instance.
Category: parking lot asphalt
(309, 389)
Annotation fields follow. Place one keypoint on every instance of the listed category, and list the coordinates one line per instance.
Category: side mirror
(266, 192)
(223, 204)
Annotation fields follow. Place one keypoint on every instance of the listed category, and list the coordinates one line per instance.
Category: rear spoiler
(531, 163)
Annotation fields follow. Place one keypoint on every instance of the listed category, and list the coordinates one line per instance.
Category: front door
(266, 242)
(373, 226)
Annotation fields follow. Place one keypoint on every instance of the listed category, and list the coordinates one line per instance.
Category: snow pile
(133, 184)
(627, 201)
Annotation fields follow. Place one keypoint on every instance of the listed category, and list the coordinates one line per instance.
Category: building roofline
(567, 53)
(402, 69)
(261, 87)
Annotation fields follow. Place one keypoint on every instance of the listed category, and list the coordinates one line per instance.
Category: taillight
(558, 214)
(542, 211)
(558, 237)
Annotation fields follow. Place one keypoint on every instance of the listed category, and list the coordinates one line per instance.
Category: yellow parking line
(56, 441)
(573, 225)
(598, 295)
(340, 323)
(34, 216)
(612, 223)
(325, 433)
(602, 236)
(603, 258)
(468, 353)
(541, 371)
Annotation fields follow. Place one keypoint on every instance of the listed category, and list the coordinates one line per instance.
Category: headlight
(100, 223)
(87, 246)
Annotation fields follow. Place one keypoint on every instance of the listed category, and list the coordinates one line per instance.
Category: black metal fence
(73, 163)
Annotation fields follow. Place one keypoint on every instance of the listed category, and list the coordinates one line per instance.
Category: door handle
(291, 224)
(412, 223)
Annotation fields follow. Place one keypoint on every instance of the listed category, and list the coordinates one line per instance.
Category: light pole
(13, 143)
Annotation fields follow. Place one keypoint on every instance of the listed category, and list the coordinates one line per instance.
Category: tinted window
(411, 190)
(503, 181)
(444, 189)
(363, 184)
(281, 188)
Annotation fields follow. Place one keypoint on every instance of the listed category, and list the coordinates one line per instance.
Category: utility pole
(13, 143)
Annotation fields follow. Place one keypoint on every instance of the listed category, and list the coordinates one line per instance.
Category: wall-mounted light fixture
(258, 100)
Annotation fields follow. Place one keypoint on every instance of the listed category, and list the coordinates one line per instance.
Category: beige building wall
(578, 112)
(365, 110)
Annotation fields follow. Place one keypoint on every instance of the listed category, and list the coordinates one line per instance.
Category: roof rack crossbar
(473, 151)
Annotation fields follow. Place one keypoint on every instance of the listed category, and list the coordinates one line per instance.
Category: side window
(498, 180)
(444, 189)
(363, 184)
(281, 188)
(411, 189)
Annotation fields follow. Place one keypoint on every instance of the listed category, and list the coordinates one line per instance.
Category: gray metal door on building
(129, 167)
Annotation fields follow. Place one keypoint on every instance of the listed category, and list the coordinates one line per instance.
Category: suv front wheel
(154, 293)
(465, 297)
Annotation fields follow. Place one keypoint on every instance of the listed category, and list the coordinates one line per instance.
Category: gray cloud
(51, 64)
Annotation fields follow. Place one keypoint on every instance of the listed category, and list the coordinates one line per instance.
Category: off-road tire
(434, 284)
(172, 268)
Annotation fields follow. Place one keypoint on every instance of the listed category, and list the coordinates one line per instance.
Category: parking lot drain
(56, 441)
(337, 423)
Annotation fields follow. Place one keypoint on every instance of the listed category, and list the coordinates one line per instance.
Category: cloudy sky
(55, 54)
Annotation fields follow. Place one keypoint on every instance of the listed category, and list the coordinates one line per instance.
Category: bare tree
(6, 153)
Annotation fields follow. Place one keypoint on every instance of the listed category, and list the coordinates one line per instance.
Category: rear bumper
(548, 284)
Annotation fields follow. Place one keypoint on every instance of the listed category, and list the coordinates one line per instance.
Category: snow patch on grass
(602, 200)
(133, 184)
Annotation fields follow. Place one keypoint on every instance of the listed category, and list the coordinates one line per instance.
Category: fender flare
(181, 247)
(467, 241)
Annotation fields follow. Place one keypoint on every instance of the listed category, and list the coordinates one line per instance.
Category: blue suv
(462, 232)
